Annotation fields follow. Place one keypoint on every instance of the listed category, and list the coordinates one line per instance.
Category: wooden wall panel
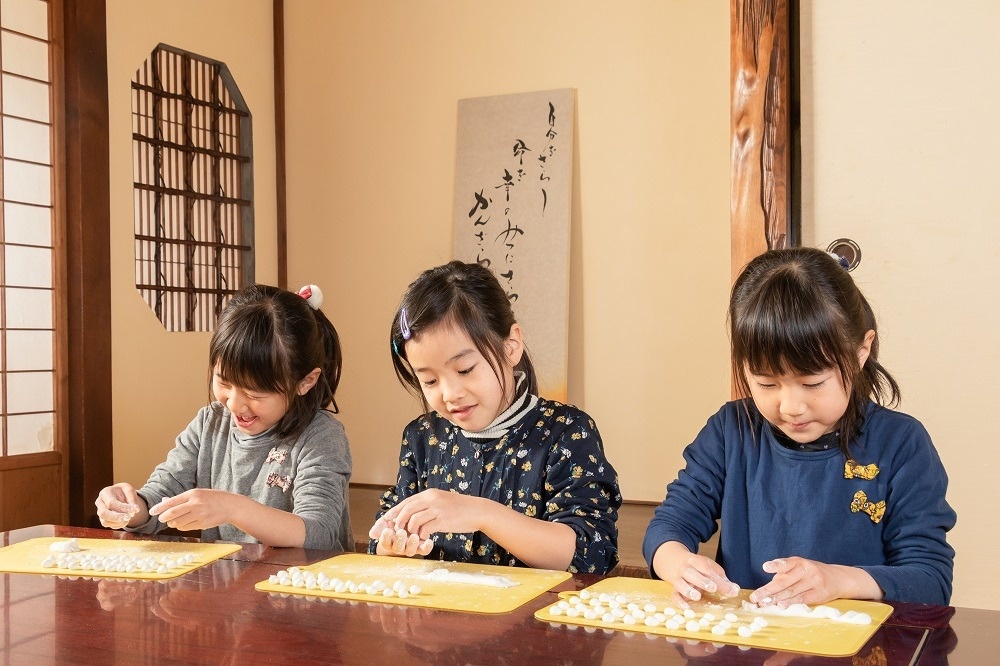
(29, 496)
(761, 71)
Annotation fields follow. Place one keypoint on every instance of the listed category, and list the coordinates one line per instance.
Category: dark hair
(268, 339)
(798, 310)
(468, 296)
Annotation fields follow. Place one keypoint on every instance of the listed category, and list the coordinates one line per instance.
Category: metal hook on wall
(848, 251)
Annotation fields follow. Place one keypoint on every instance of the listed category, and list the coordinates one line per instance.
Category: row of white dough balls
(116, 563)
(310, 580)
(613, 609)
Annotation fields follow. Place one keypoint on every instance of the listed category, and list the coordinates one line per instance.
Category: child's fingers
(412, 545)
(724, 587)
(426, 546)
(687, 584)
(385, 540)
(376, 531)
(399, 542)
(163, 505)
(420, 522)
(776, 566)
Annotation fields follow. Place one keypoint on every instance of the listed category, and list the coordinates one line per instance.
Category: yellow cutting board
(27, 556)
(790, 634)
(435, 590)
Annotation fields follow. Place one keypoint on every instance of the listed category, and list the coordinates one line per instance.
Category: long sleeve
(692, 505)
(320, 485)
(177, 474)
(581, 490)
(919, 562)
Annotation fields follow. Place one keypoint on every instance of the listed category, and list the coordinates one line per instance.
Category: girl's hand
(197, 509)
(399, 542)
(690, 574)
(801, 581)
(434, 510)
(117, 505)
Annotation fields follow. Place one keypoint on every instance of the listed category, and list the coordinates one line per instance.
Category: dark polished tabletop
(213, 615)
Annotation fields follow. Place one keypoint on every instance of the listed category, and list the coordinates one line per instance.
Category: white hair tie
(313, 296)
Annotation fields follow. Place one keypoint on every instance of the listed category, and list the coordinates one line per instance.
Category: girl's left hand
(799, 581)
(197, 509)
(434, 510)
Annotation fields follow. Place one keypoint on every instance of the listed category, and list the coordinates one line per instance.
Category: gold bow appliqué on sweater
(855, 470)
(861, 503)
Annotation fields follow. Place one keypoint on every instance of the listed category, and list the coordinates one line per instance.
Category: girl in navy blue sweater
(822, 491)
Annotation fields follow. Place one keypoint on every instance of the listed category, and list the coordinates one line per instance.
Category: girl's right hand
(691, 574)
(117, 505)
(392, 541)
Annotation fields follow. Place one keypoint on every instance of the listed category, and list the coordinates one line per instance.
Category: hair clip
(395, 347)
(313, 296)
(404, 325)
(844, 263)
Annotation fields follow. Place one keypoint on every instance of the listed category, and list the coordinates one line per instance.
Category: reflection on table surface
(214, 615)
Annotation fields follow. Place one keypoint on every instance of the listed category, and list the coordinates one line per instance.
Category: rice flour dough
(470, 579)
(802, 610)
(67, 546)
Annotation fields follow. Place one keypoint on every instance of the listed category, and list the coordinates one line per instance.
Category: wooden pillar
(762, 71)
(88, 256)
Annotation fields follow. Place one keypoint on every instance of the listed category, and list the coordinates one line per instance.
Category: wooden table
(214, 615)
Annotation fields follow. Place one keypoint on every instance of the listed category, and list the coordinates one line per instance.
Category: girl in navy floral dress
(491, 473)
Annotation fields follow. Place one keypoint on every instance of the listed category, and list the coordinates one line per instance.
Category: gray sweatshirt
(307, 476)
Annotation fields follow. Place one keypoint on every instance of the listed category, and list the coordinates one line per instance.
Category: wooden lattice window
(28, 253)
(191, 140)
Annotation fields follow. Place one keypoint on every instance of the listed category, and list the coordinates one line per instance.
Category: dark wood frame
(87, 206)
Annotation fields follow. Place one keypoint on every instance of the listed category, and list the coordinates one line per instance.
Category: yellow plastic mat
(820, 636)
(29, 556)
(472, 588)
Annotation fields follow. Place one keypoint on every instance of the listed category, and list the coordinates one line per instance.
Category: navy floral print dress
(550, 465)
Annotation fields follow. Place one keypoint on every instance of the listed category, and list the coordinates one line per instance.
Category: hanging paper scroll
(513, 197)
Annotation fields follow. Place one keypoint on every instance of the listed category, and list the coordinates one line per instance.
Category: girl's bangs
(249, 366)
(803, 344)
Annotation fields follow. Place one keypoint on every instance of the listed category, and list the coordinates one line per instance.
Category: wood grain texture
(760, 70)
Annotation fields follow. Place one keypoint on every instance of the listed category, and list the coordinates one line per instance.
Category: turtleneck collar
(522, 403)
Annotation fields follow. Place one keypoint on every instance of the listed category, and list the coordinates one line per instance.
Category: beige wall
(371, 108)
(900, 154)
(159, 379)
